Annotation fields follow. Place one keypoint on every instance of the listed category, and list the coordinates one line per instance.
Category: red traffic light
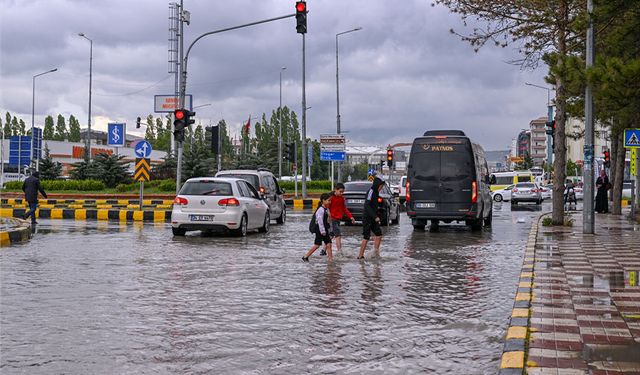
(301, 6)
(179, 114)
(606, 155)
(389, 155)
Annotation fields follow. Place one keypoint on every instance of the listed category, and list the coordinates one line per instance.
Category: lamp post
(280, 126)
(33, 110)
(338, 88)
(90, 81)
(549, 118)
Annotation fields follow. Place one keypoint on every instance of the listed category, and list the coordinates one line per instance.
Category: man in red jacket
(338, 210)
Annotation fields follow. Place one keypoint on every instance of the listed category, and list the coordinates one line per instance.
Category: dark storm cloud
(403, 73)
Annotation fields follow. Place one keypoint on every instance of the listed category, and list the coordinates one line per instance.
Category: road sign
(333, 155)
(143, 149)
(632, 138)
(169, 103)
(20, 150)
(332, 142)
(633, 168)
(310, 155)
(143, 170)
(116, 134)
(37, 143)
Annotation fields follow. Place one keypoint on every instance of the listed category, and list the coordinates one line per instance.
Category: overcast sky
(402, 74)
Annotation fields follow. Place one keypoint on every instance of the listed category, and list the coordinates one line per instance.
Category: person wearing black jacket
(370, 218)
(603, 185)
(31, 186)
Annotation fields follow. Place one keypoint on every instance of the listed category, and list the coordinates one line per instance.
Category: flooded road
(108, 298)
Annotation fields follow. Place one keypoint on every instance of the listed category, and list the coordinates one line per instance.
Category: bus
(504, 179)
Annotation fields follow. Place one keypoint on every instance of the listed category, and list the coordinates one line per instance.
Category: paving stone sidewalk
(585, 302)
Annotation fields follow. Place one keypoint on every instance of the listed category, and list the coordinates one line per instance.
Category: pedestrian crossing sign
(632, 138)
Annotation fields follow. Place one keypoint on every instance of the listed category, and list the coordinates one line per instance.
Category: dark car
(448, 180)
(355, 194)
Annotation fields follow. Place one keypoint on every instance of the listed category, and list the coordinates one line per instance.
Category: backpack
(313, 224)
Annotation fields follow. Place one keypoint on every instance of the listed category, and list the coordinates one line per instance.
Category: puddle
(611, 353)
(605, 282)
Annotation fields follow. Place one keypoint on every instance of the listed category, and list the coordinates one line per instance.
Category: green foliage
(162, 185)
(15, 126)
(547, 222)
(572, 168)
(110, 169)
(61, 129)
(62, 185)
(197, 163)
(165, 170)
(22, 127)
(168, 186)
(7, 126)
(49, 170)
(48, 133)
(74, 129)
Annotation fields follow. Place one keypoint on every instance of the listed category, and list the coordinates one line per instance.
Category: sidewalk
(584, 301)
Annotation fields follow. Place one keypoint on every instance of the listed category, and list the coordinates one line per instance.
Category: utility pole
(181, 71)
(588, 224)
(304, 123)
(280, 127)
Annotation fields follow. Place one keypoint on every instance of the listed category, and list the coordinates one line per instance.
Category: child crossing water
(322, 228)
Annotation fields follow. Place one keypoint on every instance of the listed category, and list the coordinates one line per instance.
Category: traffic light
(301, 17)
(138, 123)
(607, 158)
(551, 128)
(182, 121)
(212, 137)
(389, 158)
(290, 152)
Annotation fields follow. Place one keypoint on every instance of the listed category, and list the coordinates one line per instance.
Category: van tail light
(408, 193)
(228, 202)
(379, 200)
(474, 192)
(261, 189)
(180, 201)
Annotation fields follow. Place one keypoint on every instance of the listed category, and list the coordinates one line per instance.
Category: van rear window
(504, 180)
(524, 178)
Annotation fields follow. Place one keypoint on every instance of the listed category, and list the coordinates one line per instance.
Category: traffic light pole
(304, 123)
(183, 70)
(219, 147)
(588, 222)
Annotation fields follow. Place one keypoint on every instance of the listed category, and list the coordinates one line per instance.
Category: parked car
(213, 204)
(355, 194)
(266, 184)
(403, 189)
(502, 194)
(546, 191)
(526, 192)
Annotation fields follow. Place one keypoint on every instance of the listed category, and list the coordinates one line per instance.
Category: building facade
(538, 148)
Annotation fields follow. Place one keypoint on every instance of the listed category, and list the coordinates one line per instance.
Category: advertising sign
(169, 103)
(116, 134)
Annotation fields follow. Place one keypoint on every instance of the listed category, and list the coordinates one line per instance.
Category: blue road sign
(333, 155)
(116, 134)
(632, 138)
(309, 155)
(20, 150)
(143, 149)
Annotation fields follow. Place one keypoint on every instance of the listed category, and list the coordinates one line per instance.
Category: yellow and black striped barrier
(302, 204)
(93, 214)
(124, 202)
(18, 231)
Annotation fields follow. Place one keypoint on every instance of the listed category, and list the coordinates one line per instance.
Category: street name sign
(332, 142)
(333, 155)
(143, 170)
(116, 133)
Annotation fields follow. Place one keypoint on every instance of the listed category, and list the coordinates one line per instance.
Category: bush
(167, 186)
(547, 222)
(13, 185)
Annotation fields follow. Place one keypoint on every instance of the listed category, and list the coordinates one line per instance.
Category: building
(523, 145)
(538, 139)
(575, 129)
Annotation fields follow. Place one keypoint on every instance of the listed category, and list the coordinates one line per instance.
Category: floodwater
(108, 298)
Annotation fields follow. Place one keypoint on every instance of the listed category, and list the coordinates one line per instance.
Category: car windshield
(357, 187)
(206, 187)
(252, 179)
(528, 186)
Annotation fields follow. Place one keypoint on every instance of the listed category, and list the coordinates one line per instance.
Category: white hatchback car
(502, 194)
(215, 203)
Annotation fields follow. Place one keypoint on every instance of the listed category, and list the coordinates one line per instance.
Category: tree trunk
(613, 154)
(618, 179)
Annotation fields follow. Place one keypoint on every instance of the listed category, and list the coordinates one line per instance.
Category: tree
(150, 133)
(49, 169)
(48, 134)
(61, 129)
(165, 170)
(572, 168)
(85, 170)
(22, 127)
(197, 163)
(15, 126)
(112, 169)
(74, 129)
(7, 126)
(547, 31)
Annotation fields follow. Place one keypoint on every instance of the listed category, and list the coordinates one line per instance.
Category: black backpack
(313, 225)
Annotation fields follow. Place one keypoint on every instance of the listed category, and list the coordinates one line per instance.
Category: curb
(516, 340)
(147, 202)
(22, 233)
(156, 216)
(302, 204)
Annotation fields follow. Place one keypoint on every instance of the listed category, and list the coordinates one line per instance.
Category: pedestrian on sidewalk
(370, 219)
(31, 186)
(603, 185)
(321, 227)
(338, 210)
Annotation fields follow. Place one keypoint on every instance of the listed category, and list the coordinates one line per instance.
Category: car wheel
(498, 198)
(476, 224)
(267, 222)
(283, 216)
(514, 203)
(242, 229)
(178, 231)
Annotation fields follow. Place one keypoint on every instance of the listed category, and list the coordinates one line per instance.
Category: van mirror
(491, 180)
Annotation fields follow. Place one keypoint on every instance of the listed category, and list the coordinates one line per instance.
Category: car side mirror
(492, 180)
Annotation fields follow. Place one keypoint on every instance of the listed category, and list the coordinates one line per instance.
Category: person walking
(370, 218)
(31, 186)
(338, 211)
(321, 228)
(603, 185)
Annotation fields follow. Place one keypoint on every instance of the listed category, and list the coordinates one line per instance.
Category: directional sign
(143, 149)
(116, 134)
(143, 170)
(632, 138)
(333, 155)
(332, 142)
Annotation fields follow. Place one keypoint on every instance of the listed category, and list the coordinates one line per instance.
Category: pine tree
(49, 169)
(74, 130)
(48, 133)
(15, 126)
(61, 129)
(23, 127)
(112, 169)
(7, 126)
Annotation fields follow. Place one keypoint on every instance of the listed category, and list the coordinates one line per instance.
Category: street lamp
(549, 118)
(338, 87)
(33, 109)
(280, 126)
(90, 81)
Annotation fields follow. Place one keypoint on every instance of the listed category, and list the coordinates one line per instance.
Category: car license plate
(201, 217)
(356, 201)
(425, 205)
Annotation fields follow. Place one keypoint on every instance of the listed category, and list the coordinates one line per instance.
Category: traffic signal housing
(301, 17)
(551, 128)
(212, 137)
(290, 153)
(389, 157)
(183, 118)
(607, 158)
(138, 123)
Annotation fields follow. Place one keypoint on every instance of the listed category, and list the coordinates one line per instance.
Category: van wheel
(476, 224)
(488, 220)
(283, 216)
(178, 231)
(418, 224)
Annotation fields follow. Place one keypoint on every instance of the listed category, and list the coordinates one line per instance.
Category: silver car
(526, 192)
(213, 203)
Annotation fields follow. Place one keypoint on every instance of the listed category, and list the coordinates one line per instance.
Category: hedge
(62, 185)
(162, 185)
(315, 185)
